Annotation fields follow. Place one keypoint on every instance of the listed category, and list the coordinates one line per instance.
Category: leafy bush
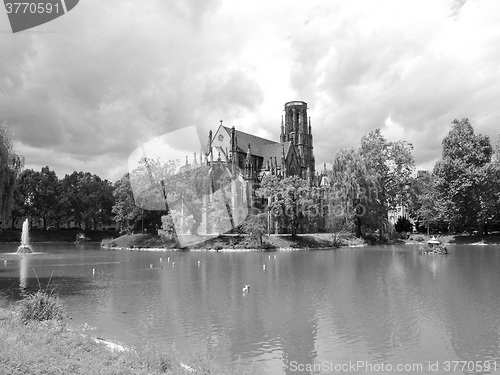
(403, 225)
(419, 238)
(167, 231)
(107, 242)
(38, 307)
(255, 226)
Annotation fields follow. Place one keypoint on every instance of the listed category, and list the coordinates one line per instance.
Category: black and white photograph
(258, 188)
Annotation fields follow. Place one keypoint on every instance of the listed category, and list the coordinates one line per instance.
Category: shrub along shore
(233, 242)
(36, 339)
(286, 242)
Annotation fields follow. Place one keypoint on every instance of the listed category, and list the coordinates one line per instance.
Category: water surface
(375, 304)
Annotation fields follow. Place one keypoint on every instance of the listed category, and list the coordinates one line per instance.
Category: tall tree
(24, 195)
(389, 168)
(348, 195)
(11, 165)
(127, 214)
(467, 180)
(424, 205)
(85, 199)
(290, 200)
(46, 194)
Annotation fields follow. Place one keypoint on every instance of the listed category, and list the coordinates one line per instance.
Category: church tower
(297, 129)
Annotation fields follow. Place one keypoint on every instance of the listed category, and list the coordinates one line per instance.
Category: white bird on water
(246, 288)
(263, 266)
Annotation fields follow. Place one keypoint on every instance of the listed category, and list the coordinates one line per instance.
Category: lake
(381, 306)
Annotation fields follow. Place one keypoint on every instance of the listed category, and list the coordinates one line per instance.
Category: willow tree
(348, 194)
(10, 166)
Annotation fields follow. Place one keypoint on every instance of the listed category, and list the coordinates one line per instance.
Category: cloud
(234, 92)
(85, 90)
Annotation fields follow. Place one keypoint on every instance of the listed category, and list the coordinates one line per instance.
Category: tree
(389, 168)
(290, 200)
(86, 199)
(424, 204)
(24, 195)
(403, 225)
(46, 193)
(348, 195)
(11, 165)
(255, 226)
(467, 179)
(127, 214)
(167, 231)
(37, 194)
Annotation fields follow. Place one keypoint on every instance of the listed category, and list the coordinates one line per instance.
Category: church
(257, 157)
(249, 158)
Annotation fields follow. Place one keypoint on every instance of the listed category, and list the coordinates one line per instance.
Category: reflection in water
(386, 304)
(23, 272)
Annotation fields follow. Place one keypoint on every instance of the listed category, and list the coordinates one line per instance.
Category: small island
(434, 247)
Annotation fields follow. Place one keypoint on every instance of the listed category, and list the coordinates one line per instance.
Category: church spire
(248, 162)
(282, 136)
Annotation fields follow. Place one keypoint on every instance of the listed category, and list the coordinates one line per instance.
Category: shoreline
(7, 319)
(230, 249)
(238, 243)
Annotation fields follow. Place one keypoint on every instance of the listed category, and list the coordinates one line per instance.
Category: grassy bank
(50, 348)
(236, 242)
(457, 239)
(64, 235)
(36, 344)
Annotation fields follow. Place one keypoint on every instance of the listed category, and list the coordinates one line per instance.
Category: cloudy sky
(85, 90)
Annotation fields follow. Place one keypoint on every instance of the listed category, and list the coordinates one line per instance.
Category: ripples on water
(386, 304)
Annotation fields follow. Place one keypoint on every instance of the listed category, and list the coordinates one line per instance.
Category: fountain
(25, 239)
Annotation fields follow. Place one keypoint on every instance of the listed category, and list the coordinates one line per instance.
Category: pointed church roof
(274, 151)
(257, 144)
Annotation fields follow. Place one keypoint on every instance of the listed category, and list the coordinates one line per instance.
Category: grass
(38, 307)
(36, 341)
(52, 349)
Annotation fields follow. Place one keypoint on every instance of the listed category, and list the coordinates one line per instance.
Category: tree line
(364, 184)
(358, 190)
(462, 193)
